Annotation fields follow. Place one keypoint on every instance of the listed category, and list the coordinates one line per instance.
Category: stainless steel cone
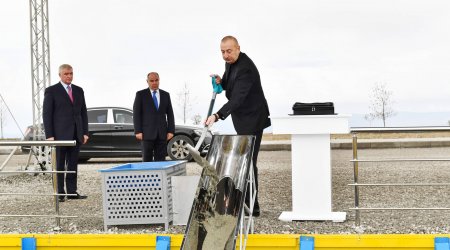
(215, 213)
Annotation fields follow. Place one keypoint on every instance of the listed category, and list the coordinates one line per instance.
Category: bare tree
(381, 103)
(2, 117)
(196, 119)
(185, 101)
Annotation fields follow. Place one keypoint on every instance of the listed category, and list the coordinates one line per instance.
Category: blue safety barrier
(306, 243)
(28, 244)
(162, 242)
(441, 243)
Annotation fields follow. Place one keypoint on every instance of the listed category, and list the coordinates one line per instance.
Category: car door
(123, 137)
(99, 134)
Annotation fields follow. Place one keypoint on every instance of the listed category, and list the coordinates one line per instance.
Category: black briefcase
(314, 108)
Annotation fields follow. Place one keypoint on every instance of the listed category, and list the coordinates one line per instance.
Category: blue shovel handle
(217, 88)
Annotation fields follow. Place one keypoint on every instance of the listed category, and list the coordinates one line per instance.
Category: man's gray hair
(64, 66)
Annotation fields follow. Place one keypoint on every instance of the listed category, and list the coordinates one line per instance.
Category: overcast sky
(305, 50)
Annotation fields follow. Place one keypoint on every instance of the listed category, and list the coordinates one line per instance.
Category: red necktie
(69, 91)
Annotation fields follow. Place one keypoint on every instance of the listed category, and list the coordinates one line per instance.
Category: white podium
(311, 164)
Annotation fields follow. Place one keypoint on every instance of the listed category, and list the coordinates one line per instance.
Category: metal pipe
(36, 172)
(401, 208)
(55, 185)
(397, 160)
(399, 129)
(401, 184)
(38, 215)
(8, 158)
(36, 194)
(29, 158)
(37, 143)
(355, 175)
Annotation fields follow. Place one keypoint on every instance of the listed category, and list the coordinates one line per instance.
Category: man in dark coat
(246, 104)
(65, 118)
(154, 122)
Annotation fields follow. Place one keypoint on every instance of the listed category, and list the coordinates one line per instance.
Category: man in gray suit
(246, 104)
(153, 118)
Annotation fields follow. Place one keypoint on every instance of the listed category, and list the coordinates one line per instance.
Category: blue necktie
(155, 99)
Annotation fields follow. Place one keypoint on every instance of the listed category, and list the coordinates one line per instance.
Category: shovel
(217, 89)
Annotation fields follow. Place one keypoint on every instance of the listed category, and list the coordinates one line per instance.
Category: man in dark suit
(65, 118)
(246, 101)
(154, 122)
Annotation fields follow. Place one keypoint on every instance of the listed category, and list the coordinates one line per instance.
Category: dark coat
(63, 119)
(246, 101)
(148, 120)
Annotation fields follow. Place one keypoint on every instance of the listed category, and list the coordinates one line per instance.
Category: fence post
(355, 176)
(55, 185)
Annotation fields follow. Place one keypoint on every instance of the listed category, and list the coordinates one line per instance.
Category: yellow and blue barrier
(255, 242)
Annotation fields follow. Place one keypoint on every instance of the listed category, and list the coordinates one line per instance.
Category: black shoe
(62, 198)
(256, 212)
(77, 197)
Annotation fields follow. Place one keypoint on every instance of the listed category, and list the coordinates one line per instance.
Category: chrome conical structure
(215, 213)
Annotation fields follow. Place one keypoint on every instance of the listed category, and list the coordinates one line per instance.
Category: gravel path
(275, 197)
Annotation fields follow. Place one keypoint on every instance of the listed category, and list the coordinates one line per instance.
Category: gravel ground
(275, 197)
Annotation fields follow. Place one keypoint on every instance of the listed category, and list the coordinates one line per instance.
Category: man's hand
(50, 139)
(139, 136)
(210, 120)
(169, 136)
(86, 138)
(218, 79)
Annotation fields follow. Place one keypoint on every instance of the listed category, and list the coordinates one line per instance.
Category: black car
(111, 134)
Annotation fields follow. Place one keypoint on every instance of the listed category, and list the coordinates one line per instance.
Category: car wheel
(176, 148)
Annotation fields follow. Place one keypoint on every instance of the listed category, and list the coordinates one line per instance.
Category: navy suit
(246, 104)
(153, 123)
(65, 120)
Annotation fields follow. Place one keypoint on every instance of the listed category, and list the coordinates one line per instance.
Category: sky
(306, 51)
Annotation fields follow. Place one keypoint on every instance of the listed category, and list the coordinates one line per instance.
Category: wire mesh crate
(139, 193)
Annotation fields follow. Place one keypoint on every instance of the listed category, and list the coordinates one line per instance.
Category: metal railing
(54, 173)
(400, 129)
(356, 184)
